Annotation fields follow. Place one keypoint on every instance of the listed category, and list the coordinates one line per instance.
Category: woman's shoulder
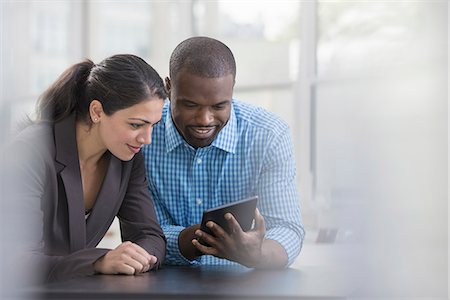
(29, 151)
(36, 137)
(34, 130)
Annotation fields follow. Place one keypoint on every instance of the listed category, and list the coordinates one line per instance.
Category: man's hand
(245, 248)
(185, 245)
(128, 258)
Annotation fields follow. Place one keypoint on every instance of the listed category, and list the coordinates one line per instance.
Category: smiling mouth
(202, 132)
(134, 149)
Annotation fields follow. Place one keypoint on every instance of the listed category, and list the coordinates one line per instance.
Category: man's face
(200, 106)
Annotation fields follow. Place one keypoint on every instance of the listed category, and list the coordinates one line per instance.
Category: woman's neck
(90, 148)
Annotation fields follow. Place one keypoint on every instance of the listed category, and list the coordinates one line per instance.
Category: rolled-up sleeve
(279, 198)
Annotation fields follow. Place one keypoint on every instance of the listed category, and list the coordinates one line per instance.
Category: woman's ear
(95, 111)
(167, 84)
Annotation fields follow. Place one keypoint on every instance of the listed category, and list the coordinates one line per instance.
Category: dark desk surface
(203, 283)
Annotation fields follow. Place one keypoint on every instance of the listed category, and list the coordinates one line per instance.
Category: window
(269, 29)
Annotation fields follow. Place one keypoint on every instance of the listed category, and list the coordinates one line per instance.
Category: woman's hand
(128, 258)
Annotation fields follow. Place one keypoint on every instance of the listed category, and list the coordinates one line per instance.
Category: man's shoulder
(165, 111)
(257, 118)
(160, 127)
(166, 106)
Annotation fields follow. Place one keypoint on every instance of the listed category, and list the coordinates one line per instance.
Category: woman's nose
(146, 136)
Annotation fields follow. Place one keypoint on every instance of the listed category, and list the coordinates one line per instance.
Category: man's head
(202, 72)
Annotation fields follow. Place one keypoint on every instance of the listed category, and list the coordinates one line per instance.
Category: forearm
(77, 264)
(273, 255)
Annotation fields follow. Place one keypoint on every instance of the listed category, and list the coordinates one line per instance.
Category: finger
(153, 260)
(129, 255)
(143, 261)
(217, 230)
(140, 254)
(142, 251)
(233, 224)
(207, 238)
(136, 265)
(147, 268)
(134, 253)
(151, 263)
(125, 269)
(204, 249)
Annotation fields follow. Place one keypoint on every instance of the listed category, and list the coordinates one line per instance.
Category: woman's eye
(135, 126)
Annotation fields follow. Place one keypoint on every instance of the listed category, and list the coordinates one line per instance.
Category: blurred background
(362, 84)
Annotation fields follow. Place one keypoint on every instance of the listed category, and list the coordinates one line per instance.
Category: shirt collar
(173, 137)
(226, 139)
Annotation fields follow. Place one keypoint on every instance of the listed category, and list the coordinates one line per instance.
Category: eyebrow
(139, 119)
(223, 102)
(190, 101)
(185, 100)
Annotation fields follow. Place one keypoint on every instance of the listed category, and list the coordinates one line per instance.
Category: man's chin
(200, 143)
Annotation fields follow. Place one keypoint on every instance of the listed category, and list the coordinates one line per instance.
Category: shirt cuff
(290, 240)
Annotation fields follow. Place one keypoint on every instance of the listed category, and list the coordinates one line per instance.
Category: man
(209, 150)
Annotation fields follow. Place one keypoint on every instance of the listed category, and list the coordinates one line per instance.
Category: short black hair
(204, 57)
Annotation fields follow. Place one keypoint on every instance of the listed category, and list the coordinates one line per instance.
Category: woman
(78, 166)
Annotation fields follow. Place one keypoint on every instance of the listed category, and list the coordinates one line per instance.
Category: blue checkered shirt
(251, 155)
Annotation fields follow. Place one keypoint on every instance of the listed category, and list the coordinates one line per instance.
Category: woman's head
(118, 100)
(118, 82)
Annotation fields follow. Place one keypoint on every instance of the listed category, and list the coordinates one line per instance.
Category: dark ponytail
(118, 82)
(63, 96)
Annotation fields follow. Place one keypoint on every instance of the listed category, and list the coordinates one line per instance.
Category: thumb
(259, 222)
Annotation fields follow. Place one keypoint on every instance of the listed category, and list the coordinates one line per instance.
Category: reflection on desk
(203, 282)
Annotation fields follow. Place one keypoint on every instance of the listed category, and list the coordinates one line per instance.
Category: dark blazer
(44, 182)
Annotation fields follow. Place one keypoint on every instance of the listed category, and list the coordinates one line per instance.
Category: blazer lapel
(67, 157)
(107, 203)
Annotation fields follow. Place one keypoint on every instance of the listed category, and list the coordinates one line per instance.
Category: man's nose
(205, 116)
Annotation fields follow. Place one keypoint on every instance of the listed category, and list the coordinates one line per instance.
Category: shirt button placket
(199, 200)
(199, 177)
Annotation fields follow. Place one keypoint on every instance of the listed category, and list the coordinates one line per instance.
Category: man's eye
(190, 105)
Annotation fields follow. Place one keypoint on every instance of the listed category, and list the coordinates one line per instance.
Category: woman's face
(125, 132)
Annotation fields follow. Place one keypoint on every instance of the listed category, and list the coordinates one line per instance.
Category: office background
(362, 84)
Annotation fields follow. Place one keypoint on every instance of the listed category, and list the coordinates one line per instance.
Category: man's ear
(168, 87)
(95, 111)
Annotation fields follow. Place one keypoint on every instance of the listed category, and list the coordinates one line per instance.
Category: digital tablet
(243, 211)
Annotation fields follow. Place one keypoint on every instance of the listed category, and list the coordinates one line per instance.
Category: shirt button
(199, 160)
(199, 201)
